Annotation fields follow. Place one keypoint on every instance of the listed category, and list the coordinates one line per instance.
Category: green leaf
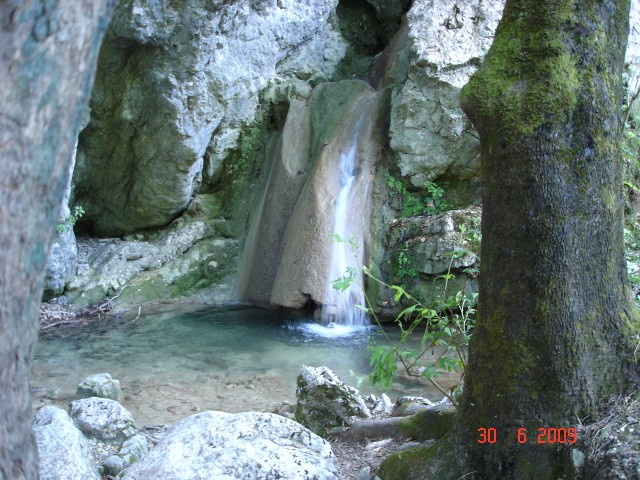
(399, 292)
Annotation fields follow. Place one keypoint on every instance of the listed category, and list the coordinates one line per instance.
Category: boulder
(63, 256)
(103, 419)
(325, 404)
(131, 451)
(99, 385)
(428, 129)
(64, 452)
(244, 446)
(61, 263)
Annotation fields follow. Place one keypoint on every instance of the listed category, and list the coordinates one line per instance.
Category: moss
(429, 424)
(402, 465)
(442, 459)
(526, 78)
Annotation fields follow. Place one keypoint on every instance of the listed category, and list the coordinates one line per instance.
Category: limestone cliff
(191, 103)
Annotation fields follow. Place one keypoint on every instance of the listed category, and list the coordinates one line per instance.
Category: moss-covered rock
(195, 255)
(325, 404)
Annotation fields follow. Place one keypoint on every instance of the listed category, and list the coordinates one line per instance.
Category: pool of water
(174, 361)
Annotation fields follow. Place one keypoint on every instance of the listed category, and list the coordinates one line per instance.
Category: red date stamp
(544, 435)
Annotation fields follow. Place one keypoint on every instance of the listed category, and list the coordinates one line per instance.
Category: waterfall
(319, 186)
(341, 306)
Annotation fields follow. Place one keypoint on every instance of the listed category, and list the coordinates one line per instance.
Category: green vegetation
(251, 140)
(445, 323)
(413, 205)
(403, 266)
(70, 220)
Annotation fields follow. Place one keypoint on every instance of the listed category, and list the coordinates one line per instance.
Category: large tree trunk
(48, 52)
(555, 317)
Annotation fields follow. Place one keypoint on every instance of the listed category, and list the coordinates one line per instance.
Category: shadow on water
(174, 361)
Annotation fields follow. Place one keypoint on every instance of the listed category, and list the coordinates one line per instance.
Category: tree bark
(552, 340)
(48, 52)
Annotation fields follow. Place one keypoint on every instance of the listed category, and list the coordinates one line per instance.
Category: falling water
(341, 307)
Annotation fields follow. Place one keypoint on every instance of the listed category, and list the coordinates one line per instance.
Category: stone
(63, 451)
(63, 256)
(61, 263)
(103, 419)
(192, 255)
(99, 385)
(325, 404)
(176, 80)
(296, 217)
(131, 451)
(428, 131)
(427, 245)
(383, 405)
(244, 446)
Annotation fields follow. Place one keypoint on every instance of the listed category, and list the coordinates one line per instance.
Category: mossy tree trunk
(48, 52)
(555, 317)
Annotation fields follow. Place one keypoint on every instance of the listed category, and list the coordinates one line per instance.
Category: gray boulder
(428, 129)
(63, 256)
(99, 385)
(61, 263)
(103, 419)
(64, 453)
(325, 404)
(131, 451)
(244, 446)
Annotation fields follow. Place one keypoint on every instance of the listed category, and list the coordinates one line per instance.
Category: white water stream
(343, 308)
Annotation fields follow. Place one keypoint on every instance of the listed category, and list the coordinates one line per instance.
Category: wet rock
(249, 446)
(63, 451)
(325, 404)
(99, 385)
(103, 419)
(131, 451)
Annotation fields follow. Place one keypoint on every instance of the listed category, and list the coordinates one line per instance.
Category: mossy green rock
(325, 404)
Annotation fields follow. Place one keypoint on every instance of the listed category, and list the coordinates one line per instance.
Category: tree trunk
(556, 316)
(48, 52)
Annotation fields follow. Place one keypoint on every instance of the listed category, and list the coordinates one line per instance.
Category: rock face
(103, 419)
(428, 130)
(175, 79)
(325, 403)
(249, 446)
(289, 247)
(196, 102)
(64, 453)
(422, 248)
(99, 385)
(193, 255)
